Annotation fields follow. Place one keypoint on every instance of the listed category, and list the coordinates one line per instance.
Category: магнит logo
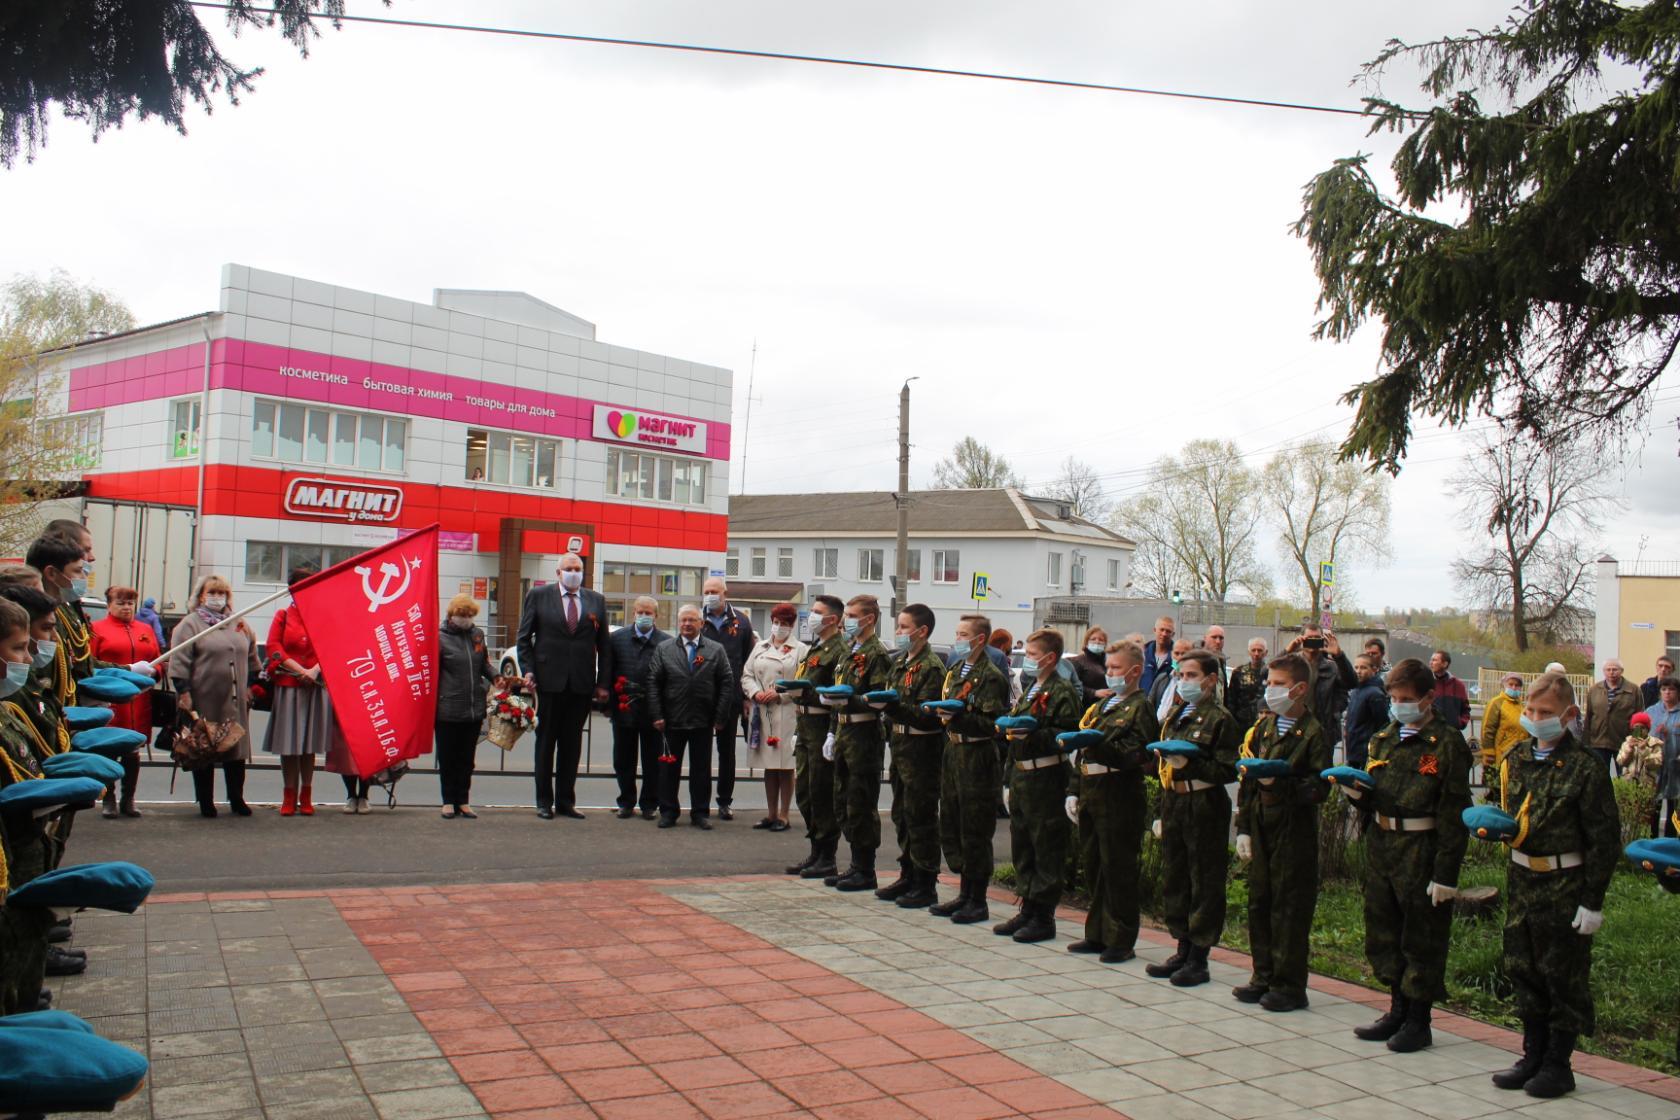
(622, 423)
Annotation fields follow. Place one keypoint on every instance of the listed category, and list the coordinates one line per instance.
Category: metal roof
(1002, 510)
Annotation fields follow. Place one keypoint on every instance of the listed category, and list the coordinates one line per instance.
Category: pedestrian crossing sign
(981, 586)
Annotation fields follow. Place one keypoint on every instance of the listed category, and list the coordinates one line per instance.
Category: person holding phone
(1332, 673)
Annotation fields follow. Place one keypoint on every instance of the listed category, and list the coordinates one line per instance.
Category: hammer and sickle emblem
(388, 572)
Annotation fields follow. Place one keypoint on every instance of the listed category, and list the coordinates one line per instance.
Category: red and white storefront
(327, 420)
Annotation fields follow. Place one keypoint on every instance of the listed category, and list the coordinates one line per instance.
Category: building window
(913, 565)
(272, 561)
(870, 565)
(1672, 641)
(655, 478)
(510, 460)
(1114, 575)
(825, 563)
(621, 583)
(947, 563)
(183, 427)
(732, 561)
(784, 563)
(79, 439)
(758, 563)
(1076, 573)
(296, 433)
(1053, 569)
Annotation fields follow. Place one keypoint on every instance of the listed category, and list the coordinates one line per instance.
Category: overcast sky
(1065, 271)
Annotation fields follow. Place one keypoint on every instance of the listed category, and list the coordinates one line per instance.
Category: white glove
(145, 667)
(1245, 847)
(1439, 894)
(1072, 807)
(1156, 829)
(1586, 921)
(828, 748)
(1177, 761)
(832, 701)
(1006, 798)
(1352, 793)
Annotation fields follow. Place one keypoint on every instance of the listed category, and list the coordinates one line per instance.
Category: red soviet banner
(373, 622)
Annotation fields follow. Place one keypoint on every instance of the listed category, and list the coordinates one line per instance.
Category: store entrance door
(547, 536)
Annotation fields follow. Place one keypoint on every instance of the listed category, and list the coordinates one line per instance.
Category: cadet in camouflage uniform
(859, 746)
(1038, 779)
(918, 744)
(1106, 795)
(1421, 767)
(1567, 844)
(23, 845)
(1277, 836)
(1196, 821)
(62, 555)
(813, 786)
(1248, 682)
(968, 781)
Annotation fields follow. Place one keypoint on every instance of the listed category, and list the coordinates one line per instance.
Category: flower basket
(510, 716)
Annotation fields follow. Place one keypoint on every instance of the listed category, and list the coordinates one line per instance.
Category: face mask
(216, 602)
(571, 581)
(644, 624)
(45, 650)
(850, 626)
(17, 675)
(78, 589)
(902, 643)
(1029, 672)
(1094, 650)
(960, 649)
(1548, 730)
(1278, 699)
(711, 601)
(779, 632)
(1118, 685)
(460, 622)
(1189, 691)
(1514, 693)
(1405, 711)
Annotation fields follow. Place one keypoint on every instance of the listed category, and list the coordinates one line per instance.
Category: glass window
(784, 563)
(78, 440)
(344, 439)
(547, 453)
(396, 443)
(913, 565)
(947, 565)
(732, 561)
(1053, 569)
(1114, 575)
(522, 460)
(316, 436)
(1671, 638)
(697, 484)
(693, 579)
(870, 563)
(758, 563)
(612, 470)
(263, 563)
(500, 450)
(183, 428)
(666, 469)
(612, 577)
(289, 444)
(368, 441)
(262, 429)
(1076, 573)
(339, 553)
(825, 563)
(301, 555)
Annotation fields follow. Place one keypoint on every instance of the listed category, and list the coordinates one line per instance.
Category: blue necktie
(691, 651)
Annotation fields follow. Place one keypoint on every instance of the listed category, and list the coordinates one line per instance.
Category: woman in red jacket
(300, 726)
(119, 639)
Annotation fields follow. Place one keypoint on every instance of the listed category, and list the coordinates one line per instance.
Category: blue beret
(1489, 822)
(100, 886)
(1077, 740)
(111, 690)
(785, 685)
(1017, 723)
(111, 741)
(1659, 856)
(1176, 746)
(49, 793)
(80, 719)
(884, 696)
(82, 764)
(1265, 767)
(1349, 776)
(48, 1020)
(46, 1069)
(936, 706)
(840, 691)
(138, 680)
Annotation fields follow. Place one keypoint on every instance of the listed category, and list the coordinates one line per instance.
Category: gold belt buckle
(1539, 863)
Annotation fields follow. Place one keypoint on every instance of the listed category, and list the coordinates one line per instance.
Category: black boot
(1194, 971)
(61, 963)
(1172, 964)
(900, 886)
(923, 891)
(1007, 927)
(1389, 1023)
(1041, 925)
(1555, 1077)
(59, 932)
(832, 879)
(947, 909)
(861, 875)
(1414, 1034)
(810, 858)
(1533, 1051)
(233, 773)
(974, 904)
(823, 866)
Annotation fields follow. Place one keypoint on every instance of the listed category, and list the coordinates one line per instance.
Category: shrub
(1636, 804)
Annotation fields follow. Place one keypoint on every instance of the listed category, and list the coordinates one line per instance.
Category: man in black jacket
(634, 736)
(563, 651)
(732, 630)
(1333, 676)
(690, 692)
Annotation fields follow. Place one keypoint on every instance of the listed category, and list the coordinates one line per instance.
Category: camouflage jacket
(1212, 729)
(1307, 751)
(917, 680)
(985, 691)
(1128, 726)
(867, 668)
(1565, 804)
(1424, 775)
(1056, 707)
(819, 667)
(1242, 695)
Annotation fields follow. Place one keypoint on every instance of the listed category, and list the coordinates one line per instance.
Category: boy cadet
(1196, 821)
(24, 847)
(1277, 836)
(1038, 780)
(968, 776)
(1106, 799)
(918, 740)
(813, 786)
(1420, 765)
(858, 746)
(1567, 844)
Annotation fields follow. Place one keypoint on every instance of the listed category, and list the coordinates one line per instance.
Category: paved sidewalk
(732, 998)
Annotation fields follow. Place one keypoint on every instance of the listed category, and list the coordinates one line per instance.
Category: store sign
(327, 499)
(650, 429)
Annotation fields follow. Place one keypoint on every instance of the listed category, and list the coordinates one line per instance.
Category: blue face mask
(17, 675)
(960, 649)
(644, 624)
(1548, 730)
(1189, 691)
(78, 590)
(1118, 685)
(1094, 650)
(1514, 693)
(1406, 711)
(902, 643)
(850, 626)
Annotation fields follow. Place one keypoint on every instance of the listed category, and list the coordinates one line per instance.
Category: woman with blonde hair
(213, 680)
(463, 691)
(776, 657)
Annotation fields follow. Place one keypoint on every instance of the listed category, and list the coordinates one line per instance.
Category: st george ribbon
(373, 622)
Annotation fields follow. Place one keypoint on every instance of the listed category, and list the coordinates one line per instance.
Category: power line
(830, 60)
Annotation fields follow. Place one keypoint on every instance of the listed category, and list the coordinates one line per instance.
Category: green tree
(101, 60)
(1199, 515)
(972, 465)
(1527, 265)
(1324, 509)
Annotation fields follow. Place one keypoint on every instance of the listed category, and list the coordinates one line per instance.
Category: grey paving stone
(195, 1044)
(377, 1026)
(1111, 1086)
(394, 1048)
(425, 1073)
(308, 1085)
(296, 1059)
(1240, 1101)
(356, 1107)
(190, 1019)
(169, 1102)
(204, 1069)
(440, 1103)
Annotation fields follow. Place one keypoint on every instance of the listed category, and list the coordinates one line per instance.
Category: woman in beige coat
(770, 713)
(213, 678)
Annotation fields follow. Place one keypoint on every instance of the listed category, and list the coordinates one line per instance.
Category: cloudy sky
(1066, 272)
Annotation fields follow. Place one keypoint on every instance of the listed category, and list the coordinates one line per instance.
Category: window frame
(758, 561)
(534, 450)
(195, 406)
(822, 570)
(688, 478)
(877, 564)
(377, 442)
(947, 560)
(1053, 569)
(784, 561)
(732, 561)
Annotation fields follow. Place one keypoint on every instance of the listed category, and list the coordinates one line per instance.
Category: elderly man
(1610, 705)
(634, 737)
(1246, 685)
(1157, 652)
(563, 651)
(732, 630)
(1215, 644)
(1648, 692)
(690, 692)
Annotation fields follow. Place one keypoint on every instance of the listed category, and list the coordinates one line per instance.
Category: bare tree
(1156, 572)
(1202, 509)
(1325, 510)
(1537, 505)
(1079, 486)
(973, 466)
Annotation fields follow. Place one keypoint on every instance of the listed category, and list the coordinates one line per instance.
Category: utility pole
(901, 564)
(746, 428)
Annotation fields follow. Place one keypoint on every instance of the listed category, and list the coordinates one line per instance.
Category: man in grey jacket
(690, 695)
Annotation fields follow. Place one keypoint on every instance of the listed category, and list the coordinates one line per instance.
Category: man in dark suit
(690, 694)
(732, 630)
(563, 650)
(634, 736)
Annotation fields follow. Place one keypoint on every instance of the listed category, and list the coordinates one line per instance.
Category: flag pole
(228, 621)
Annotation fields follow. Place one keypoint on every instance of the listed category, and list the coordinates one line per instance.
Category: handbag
(199, 743)
(166, 703)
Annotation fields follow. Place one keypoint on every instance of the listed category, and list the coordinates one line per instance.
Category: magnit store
(302, 422)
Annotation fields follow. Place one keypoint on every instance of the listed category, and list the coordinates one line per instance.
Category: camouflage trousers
(1548, 963)
(23, 929)
(915, 770)
(1039, 833)
(1282, 895)
(857, 784)
(813, 781)
(1406, 936)
(1111, 824)
(1195, 861)
(968, 802)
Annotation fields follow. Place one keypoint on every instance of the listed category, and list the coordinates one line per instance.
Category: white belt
(967, 739)
(1041, 763)
(1191, 786)
(919, 731)
(1405, 824)
(1093, 768)
(813, 710)
(1547, 863)
(859, 717)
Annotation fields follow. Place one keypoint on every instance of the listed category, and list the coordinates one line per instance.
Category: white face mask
(779, 632)
(460, 622)
(571, 580)
(45, 650)
(216, 602)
